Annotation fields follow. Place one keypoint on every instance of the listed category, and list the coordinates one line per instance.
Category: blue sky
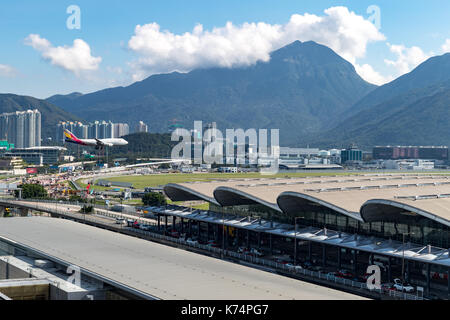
(110, 52)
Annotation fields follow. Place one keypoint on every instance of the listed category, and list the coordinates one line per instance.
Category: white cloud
(367, 72)
(407, 58)
(76, 58)
(446, 46)
(7, 71)
(162, 51)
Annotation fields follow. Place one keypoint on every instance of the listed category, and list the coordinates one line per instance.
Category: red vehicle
(174, 234)
(344, 274)
(136, 225)
(281, 261)
(212, 243)
(386, 287)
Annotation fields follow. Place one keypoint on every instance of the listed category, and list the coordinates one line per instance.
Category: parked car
(212, 243)
(243, 250)
(120, 221)
(256, 252)
(386, 287)
(191, 241)
(404, 287)
(136, 225)
(290, 266)
(281, 261)
(343, 273)
(174, 234)
(145, 227)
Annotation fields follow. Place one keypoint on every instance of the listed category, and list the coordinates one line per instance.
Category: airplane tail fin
(69, 135)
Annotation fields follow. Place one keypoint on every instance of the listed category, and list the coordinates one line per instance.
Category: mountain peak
(311, 50)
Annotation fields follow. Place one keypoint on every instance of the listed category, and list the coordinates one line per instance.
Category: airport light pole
(295, 241)
(223, 234)
(403, 256)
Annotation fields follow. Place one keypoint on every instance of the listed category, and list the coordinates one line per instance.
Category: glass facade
(252, 210)
(351, 155)
(395, 153)
(422, 230)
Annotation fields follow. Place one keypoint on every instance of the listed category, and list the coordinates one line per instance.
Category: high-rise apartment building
(22, 128)
(141, 127)
(93, 130)
(121, 129)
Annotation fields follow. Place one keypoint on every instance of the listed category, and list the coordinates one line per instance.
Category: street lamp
(295, 241)
(403, 256)
(223, 234)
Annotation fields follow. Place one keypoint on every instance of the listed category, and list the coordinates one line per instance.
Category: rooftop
(162, 271)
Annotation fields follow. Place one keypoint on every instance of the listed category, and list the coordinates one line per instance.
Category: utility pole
(295, 241)
(403, 257)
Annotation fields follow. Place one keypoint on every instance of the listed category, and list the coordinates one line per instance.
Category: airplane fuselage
(97, 143)
(107, 142)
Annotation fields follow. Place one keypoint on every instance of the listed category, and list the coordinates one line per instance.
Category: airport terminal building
(400, 220)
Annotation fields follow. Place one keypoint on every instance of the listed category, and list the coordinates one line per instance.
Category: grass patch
(154, 180)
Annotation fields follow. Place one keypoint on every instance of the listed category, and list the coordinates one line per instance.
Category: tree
(32, 191)
(154, 199)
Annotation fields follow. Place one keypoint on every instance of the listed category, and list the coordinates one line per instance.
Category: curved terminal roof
(355, 196)
(227, 196)
(178, 192)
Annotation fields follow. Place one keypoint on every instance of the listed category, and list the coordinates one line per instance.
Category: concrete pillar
(448, 281)
(2, 212)
(270, 244)
(407, 270)
(24, 212)
(259, 240)
(226, 238)
(339, 258)
(389, 269)
(248, 238)
(309, 251)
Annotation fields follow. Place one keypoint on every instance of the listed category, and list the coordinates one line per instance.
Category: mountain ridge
(302, 89)
(50, 114)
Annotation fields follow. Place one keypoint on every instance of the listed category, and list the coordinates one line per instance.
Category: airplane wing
(101, 143)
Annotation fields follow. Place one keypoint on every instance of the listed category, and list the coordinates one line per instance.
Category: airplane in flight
(97, 143)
